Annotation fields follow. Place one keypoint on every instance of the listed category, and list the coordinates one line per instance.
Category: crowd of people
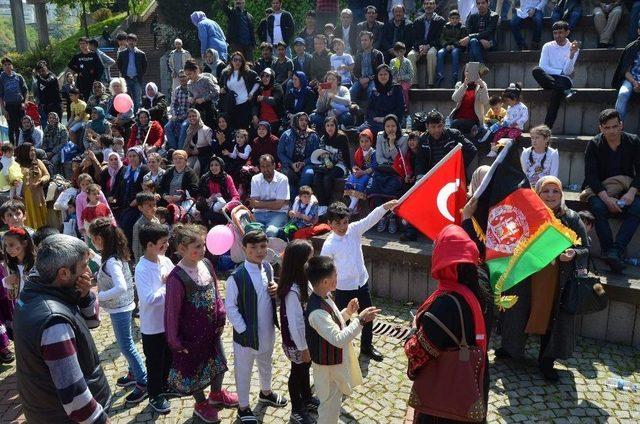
(264, 143)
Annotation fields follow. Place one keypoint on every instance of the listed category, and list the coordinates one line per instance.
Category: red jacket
(156, 136)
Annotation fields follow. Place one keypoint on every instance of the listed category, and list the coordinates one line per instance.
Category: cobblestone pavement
(518, 394)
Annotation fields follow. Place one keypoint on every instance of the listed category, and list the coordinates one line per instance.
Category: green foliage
(101, 14)
(7, 37)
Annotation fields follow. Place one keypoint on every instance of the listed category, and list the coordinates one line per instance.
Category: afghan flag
(436, 199)
(521, 234)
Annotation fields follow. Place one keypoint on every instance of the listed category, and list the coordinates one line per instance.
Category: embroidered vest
(322, 352)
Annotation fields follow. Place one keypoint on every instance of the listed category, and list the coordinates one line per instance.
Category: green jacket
(452, 34)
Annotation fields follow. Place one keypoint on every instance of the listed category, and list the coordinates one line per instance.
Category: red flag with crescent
(436, 199)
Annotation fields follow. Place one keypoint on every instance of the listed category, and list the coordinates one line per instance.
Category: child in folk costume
(293, 292)
(251, 308)
(336, 370)
(194, 321)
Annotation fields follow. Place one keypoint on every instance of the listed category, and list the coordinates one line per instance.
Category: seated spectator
(268, 101)
(146, 133)
(54, 136)
(569, 11)
(385, 100)
(238, 85)
(402, 71)
(302, 59)
(320, 60)
(397, 29)
(300, 97)
(237, 158)
(212, 64)
(341, 62)
(124, 120)
(366, 62)
(606, 18)
(334, 163)
(329, 31)
(204, 92)
(634, 20)
(452, 33)
(265, 143)
(222, 136)
(388, 176)
(79, 114)
(514, 121)
(108, 174)
(427, 32)
(180, 182)
(529, 9)
(99, 96)
(127, 184)
(282, 65)
(612, 178)
(303, 213)
(266, 58)
(333, 100)
(364, 162)
(154, 162)
(310, 28)
(179, 107)
(294, 151)
(95, 128)
(198, 140)
(29, 133)
(540, 160)
(496, 112)
(117, 133)
(557, 62)
(156, 103)
(372, 25)
(216, 191)
(471, 98)
(627, 76)
(482, 27)
(269, 196)
(347, 32)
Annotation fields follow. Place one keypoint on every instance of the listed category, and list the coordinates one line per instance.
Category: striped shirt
(58, 347)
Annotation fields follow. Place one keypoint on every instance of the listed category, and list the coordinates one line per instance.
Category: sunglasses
(236, 59)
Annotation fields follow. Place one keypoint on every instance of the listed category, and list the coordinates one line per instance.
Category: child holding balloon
(194, 320)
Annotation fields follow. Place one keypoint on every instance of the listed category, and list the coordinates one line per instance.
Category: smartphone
(473, 70)
(325, 85)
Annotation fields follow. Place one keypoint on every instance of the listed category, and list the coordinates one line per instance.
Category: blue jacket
(210, 34)
(380, 105)
(287, 144)
(13, 88)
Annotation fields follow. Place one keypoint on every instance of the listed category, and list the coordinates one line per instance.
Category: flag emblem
(506, 228)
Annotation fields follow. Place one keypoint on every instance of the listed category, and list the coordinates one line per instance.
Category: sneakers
(138, 394)
(382, 225)
(313, 403)
(393, 225)
(126, 381)
(301, 417)
(223, 399)
(160, 404)
(6, 357)
(273, 399)
(246, 416)
(168, 392)
(206, 412)
(568, 93)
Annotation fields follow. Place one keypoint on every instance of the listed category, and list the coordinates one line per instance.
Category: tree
(86, 6)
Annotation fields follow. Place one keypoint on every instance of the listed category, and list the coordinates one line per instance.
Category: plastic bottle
(622, 384)
(409, 124)
(447, 122)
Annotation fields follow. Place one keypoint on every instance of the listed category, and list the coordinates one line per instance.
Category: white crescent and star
(443, 198)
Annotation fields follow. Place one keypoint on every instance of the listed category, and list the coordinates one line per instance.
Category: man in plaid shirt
(179, 107)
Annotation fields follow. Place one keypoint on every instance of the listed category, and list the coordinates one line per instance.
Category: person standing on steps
(280, 25)
(240, 31)
(210, 34)
(88, 67)
(132, 64)
(557, 62)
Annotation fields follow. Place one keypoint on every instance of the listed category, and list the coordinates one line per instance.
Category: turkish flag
(436, 199)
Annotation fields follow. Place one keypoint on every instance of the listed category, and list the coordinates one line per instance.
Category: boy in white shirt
(150, 276)
(344, 246)
(342, 62)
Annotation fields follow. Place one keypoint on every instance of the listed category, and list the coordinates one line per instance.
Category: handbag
(451, 386)
(584, 294)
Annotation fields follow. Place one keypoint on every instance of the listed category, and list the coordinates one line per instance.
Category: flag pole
(428, 174)
(489, 175)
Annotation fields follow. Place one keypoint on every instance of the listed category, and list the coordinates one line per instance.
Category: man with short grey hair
(58, 369)
(176, 60)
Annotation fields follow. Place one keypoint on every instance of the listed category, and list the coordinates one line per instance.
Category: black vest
(322, 352)
(38, 305)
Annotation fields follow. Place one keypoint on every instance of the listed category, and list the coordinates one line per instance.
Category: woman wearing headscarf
(146, 132)
(109, 173)
(179, 182)
(300, 97)
(29, 133)
(96, 127)
(212, 63)
(264, 143)
(55, 136)
(385, 99)
(155, 102)
(34, 176)
(539, 307)
(217, 190)
(223, 136)
(127, 184)
(198, 142)
(238, 84)
(155, 170)
(99, 97)
(461, 281)
(336, 163)
(267, 101)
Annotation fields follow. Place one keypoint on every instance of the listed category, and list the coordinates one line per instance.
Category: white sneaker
(322, 210)
(492, 154)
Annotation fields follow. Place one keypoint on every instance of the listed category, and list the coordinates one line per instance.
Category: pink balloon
(122, 103)
(220, 239)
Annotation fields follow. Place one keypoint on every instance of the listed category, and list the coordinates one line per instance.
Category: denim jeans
(455, 62)
(121, 323)
(624, 95)
(628, 228)
(633, 21)
(317, 119)
(272, 220)
(173, 131)
(476, 50)
(356, 90)
(298, 179)
(573, 19)
(516, 26)
(134, 89)
(504, 11)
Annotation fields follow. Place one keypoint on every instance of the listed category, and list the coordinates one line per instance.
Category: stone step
(403, 273)
(579, 116)
(584, 32)
(594, 69)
